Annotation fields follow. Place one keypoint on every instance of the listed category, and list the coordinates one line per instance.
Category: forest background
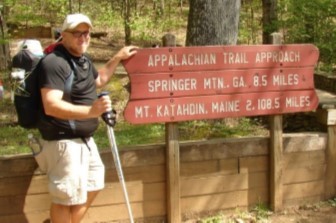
(144, 22)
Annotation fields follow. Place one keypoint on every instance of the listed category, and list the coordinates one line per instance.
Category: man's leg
(78, 211)
(71, 214)
(60, 213)
(96, 177)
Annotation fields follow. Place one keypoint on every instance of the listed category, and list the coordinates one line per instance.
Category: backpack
(27, 96)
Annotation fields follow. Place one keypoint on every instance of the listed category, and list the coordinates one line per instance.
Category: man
(71, 159)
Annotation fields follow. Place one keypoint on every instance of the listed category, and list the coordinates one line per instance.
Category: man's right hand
(101, 105)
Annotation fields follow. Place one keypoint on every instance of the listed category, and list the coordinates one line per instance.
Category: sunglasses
(78, 34)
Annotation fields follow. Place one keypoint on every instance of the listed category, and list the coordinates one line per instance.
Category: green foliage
(250, 19)
(213, 219)
(14, 140)
(127, 134)
(208, 129)
(314, 22)
(33, 13)
(149, 25)
(103, 14)
(261, 211)
(332, 202)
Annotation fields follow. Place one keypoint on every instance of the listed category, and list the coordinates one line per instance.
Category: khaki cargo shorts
(73, 168)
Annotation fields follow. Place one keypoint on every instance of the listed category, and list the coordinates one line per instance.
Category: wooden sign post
(276, 153)
(172, 159)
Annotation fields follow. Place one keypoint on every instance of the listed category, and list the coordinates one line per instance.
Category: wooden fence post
(276, 153)
(330, 182)
(326, 114)
(172, 159)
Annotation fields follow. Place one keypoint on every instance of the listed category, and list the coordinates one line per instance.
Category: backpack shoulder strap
(69, 80)
(68, 84)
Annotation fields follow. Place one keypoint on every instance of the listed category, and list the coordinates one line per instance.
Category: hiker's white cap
(73, 20)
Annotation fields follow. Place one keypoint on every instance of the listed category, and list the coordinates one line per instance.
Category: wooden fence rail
(215, 175)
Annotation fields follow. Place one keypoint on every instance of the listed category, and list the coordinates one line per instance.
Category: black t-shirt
(54, 70)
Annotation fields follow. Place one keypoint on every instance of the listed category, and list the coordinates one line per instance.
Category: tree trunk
(79, 5)
(269, 20)
(4, 46)
(70, 6)
(213, 22)
(162, 6)
(127, 21)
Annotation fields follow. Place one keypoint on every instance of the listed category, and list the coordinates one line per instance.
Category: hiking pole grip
(110, 116)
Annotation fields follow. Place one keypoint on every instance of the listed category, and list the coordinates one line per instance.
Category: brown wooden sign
(177, 59)
(160, 85)
(189, 83)
(219, 106)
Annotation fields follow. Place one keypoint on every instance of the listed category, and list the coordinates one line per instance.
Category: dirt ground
(321, 212)
(306, 214)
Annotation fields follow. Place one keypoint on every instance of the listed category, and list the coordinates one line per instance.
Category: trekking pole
(109, 119)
